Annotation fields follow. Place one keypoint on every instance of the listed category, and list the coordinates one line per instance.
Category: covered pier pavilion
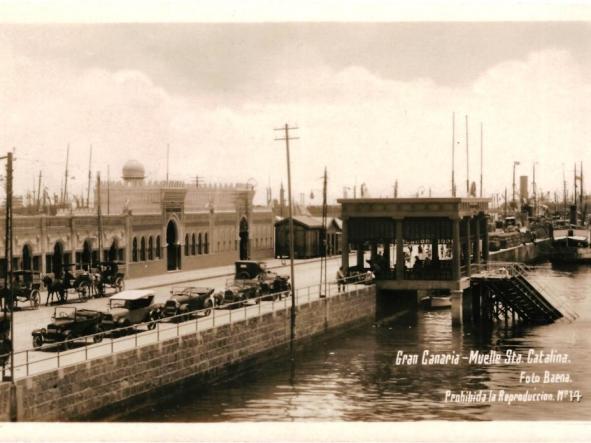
(428, 245)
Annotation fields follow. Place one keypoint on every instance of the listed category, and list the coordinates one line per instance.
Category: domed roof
(133, 170)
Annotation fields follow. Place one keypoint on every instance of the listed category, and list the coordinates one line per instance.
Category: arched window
(157, 246)
(186, 244)
(134, 249)
(143, 249)
(205, 243)
(193, 244)
(199, 244)
(150, 248)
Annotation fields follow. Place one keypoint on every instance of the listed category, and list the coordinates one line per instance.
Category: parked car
(186, 300)
(238, 292)
(70, 323)
(256, 272)
(128, 308)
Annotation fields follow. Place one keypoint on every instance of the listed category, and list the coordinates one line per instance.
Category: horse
(54, 286)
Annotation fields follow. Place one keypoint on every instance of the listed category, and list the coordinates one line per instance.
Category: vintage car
(238, 292)
(128, 308)
(256, 272)
(186, 300)
(70, 323)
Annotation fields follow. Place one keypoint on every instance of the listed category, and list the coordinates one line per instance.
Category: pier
(441, 246)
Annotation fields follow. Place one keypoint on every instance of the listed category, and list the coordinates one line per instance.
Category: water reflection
(354, 377)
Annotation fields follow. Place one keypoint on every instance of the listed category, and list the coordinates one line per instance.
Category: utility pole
(506, 200)
(39, 191)
(481, 157)
(65, 196)
(108, 190)
(287, 139)
(564, 189)
(581, 196)
(453, 154)
(323, 237)
(167, 158)
(534, 189)
(467, 161)
(515, 163)
(8, 268)
(89, 178)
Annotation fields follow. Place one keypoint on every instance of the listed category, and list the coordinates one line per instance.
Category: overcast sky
(373, 102)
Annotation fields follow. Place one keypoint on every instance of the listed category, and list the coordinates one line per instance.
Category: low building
(307, 237)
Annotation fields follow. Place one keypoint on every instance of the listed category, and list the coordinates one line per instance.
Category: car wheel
(37, 341)
(35, 298)
(99, 334)
(153, 317)
(119, 284)
(83, 291)
(67, 343)
(207, 307)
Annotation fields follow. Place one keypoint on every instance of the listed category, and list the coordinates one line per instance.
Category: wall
(523, 253)
(121, 380)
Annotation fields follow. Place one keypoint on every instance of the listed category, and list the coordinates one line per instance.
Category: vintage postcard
(360, 221)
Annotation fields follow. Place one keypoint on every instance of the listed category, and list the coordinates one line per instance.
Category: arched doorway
(173, 250)
(86, 254)
(26, 258)
(112, 254)
(243, 239)
(57, 264)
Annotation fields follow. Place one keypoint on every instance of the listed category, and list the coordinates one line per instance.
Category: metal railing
(68, 352)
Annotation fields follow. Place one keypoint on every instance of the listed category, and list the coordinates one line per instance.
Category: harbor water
(356, 376)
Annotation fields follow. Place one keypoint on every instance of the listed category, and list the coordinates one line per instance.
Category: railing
(33, 361)
(516, 269)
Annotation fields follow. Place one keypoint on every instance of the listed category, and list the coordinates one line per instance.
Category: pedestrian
(341, 283)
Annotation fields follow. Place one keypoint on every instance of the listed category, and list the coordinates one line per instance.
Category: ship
(571, 244)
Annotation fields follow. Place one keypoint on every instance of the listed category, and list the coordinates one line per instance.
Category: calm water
(354, 377)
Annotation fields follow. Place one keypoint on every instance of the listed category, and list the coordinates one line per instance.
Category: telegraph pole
(453, 154)
(481, 157)
(286, 137)
(89, 178)
(9, 290)
(323, 237)
(65, 197)
(99, 216)
(467, 161)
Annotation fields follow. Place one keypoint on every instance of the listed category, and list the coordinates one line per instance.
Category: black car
(185, 300)
(248, 272)
(70, 323)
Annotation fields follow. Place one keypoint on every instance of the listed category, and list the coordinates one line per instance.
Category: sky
(372, 102)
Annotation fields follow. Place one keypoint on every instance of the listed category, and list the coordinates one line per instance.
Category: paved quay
(307, 272)
(33, 361)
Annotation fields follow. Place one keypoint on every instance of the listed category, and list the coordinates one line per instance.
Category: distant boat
(436, 302)
(571, 244)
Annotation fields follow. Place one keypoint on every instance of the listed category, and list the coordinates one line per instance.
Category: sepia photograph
(220, 224)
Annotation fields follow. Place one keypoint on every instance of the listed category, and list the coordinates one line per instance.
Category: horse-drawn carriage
(61, 285)
(26, 286)
(108, 274)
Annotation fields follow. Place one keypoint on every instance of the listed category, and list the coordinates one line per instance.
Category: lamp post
(534, 189)
(515, 164)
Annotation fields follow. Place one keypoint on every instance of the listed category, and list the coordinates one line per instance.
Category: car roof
(132, 294)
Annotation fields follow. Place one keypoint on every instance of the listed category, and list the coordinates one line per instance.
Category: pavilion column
(399, 250)
(345, 246)
(360, 255)
(485, 245)
(457, 249)
(468, 247)
(374, 250)
(477, 242)
(457, 308)
(387, 258)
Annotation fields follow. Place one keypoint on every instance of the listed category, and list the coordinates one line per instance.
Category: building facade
(153, 227)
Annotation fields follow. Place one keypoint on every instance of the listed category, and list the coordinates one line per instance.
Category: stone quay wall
(525, 253)
(104, 384)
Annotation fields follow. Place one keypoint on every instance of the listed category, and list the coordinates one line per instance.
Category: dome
(133, 170)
